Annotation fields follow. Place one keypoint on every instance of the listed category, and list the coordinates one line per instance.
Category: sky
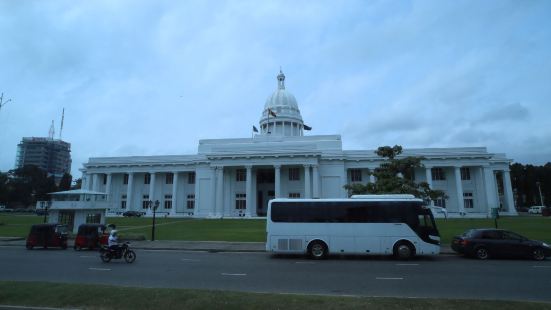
(154, 77)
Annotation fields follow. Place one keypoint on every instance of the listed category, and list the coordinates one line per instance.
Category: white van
(535, 209)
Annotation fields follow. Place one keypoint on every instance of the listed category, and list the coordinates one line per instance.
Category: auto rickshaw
(47, 235)
(90, 236)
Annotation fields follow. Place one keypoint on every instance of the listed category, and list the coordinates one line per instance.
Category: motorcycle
(124, 250)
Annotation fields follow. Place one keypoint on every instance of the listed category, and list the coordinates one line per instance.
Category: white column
(174, 193)
(219, 192)
(152, 190)
(95, 182)
(90, 185)
(108, 186)
(315, 181)
(212, 207)
(508, 189)
(129, 191)
(459, 190)
(307, 192)
(277, 181)
(428, 172)
(249, 191)
(491, 189)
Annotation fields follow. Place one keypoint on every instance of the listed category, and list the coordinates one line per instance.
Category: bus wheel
(404, 250)
(317, 249)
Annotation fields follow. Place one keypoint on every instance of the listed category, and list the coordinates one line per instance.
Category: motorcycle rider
(113, 242)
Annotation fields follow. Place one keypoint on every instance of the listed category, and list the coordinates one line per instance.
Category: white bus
(396, 225)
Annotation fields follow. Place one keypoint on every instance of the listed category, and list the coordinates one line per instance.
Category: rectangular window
(294, 195)
(438, 174)
(440, 202)
(93, 218)
(191, 201)
(468, 201)
(241, 175)
(145, 201)
(191, 178)
(465, 173)
(240, 201)
(169, 179)
(123, 202)
(294, 174)
(125, 179)
(168, 201)
(147, 178)
(355, 175)
(104, 179)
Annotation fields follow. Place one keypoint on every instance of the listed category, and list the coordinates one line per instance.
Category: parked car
(488, 242)
(47, 235)
(90, 236)
(133, 213)
(535, 209)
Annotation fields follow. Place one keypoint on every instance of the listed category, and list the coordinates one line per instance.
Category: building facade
(51, 155)
(237, 177)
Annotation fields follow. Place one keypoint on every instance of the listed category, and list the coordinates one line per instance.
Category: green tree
(77, 184)
(65, 182)
(396, 176)
(4, 190)
(28, 184)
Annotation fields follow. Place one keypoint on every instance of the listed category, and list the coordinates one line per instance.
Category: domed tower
(281, 115)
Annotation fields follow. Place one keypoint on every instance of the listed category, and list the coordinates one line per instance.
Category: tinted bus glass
(347, 212)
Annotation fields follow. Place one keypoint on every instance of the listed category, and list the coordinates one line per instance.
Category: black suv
(133, 213)
(488, 242)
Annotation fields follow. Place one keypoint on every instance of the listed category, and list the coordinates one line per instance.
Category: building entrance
(265, 186)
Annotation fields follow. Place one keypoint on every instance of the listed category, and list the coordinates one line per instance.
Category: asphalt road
(444, 276)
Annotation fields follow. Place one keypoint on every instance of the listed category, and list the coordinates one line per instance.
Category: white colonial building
(237, 177)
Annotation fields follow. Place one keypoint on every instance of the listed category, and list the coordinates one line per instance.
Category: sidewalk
(210, 246)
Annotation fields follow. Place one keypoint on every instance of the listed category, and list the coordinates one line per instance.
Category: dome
(281, 114)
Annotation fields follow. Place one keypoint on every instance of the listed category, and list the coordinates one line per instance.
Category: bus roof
(385, 197)
(356, 198)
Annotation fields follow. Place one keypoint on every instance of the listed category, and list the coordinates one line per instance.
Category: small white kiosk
(76, 207)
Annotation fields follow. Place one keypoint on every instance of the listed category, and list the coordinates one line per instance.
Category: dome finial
(280, 79)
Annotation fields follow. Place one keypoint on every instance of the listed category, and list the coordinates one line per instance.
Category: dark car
(133, 213)
(486, 243)
(90, 236)
(47, 235)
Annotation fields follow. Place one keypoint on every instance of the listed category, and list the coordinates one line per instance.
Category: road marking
(99, 269)
(189, 260)
(306, 263)
(541, 266)
(407, 264)
(389, 278)
(85, 256)
(234, 274)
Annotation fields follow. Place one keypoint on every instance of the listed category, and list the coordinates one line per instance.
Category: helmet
(113, 232)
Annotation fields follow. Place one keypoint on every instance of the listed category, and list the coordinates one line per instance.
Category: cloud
(154, 78)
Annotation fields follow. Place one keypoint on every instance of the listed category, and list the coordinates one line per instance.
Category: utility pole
(539, 189)
(2, 103)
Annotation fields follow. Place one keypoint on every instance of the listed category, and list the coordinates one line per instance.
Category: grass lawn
(40, 294)
(17, 225)
(194, 229)
(13, 225)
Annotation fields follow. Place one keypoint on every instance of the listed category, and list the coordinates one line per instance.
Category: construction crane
(2, 103)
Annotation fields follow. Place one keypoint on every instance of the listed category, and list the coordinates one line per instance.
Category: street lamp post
(154, 207)
(46, 207)
(539, 189)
